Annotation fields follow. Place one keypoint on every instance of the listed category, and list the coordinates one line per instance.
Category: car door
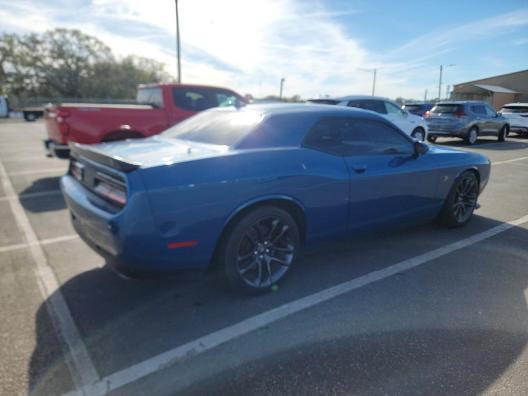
(481, 119)
(389, 183)
(398, 117)
(493, 125)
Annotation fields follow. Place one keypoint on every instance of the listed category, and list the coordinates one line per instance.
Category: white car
(413, 125)
(517, 115)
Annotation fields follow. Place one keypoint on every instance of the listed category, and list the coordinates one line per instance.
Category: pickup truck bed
(159, 107)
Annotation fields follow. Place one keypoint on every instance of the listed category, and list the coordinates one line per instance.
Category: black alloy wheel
(260, 249)
(461, 201)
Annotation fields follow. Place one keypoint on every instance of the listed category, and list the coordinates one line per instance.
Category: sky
(318, 47)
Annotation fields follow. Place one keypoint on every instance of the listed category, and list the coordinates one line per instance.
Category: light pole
(440, 80)
(281, 87)
(374, 72)
(178, 54)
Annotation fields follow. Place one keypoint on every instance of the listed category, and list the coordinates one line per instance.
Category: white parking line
(31, 172)
(208, 342)
(47, 241)
(509, 161)
(80, 364)
(32, 195)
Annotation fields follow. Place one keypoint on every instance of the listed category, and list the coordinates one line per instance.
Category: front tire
(461, 201)
(260, 249)
(418, 134)
(503, 133)
(472, 136)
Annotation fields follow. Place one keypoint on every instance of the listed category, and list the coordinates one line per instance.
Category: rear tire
(461, 201)
(431, 139)
(260, 249)
(472, 136)
(503, 133)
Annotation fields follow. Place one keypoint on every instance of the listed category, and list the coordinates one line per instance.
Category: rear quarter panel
(194, 200)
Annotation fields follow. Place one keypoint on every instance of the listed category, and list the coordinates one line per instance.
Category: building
(498, 90)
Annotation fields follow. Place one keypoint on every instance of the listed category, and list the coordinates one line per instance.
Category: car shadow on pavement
(125, 321)
(42, 202)
(485, 143)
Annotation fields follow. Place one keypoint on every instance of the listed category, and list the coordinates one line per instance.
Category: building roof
(487, 78)
(495, 88)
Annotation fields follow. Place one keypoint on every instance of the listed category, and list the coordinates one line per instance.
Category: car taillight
(427, 114)
(76, 169)
(110, 188)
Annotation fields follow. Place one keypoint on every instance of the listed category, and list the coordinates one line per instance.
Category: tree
(69, 63)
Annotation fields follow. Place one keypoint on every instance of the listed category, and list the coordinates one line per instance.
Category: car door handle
(359, 168)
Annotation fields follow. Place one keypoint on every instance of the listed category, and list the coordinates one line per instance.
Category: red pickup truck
(158, 107)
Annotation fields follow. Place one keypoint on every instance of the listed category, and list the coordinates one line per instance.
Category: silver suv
(466, 120)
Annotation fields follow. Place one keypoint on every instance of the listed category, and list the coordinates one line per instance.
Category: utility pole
(178, 52)
(374, 82)
(440, 84)
(440, 81)
(425, 95)
(281, 87)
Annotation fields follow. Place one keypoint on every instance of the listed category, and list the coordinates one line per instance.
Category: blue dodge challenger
(246, 187)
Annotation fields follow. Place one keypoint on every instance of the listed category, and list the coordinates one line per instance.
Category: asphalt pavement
(414, 310)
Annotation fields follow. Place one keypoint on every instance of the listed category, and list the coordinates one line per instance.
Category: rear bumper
(54, 149)
(455, 132)
(128, 240)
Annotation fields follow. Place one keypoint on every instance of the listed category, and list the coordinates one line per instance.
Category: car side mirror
(420, 148)
(498, 114)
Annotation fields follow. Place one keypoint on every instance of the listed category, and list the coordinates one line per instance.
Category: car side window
(392, 109)
(478, 109)
(201, 98)
(348, 137)
(325, 136)
(490, 112)
(375, 105)
(368, 137)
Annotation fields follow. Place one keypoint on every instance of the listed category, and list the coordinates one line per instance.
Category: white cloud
(250, 45)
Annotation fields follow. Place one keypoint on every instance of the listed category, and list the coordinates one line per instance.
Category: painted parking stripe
(31, 172)
(43, 242)
(217, 338)
(78, 360)
(509, 161)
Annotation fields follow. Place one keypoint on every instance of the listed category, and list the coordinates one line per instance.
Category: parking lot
(418, 310)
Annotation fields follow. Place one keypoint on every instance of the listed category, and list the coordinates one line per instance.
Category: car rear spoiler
(93, 154)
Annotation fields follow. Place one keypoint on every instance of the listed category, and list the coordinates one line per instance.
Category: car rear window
(218, 127)
(152, 96)
(202, 98)
(412, 107)
(515, 109)
(323, 101)
(446, 108)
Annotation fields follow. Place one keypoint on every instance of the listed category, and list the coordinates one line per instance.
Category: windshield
(514, 109)
(216, 127)
(446, 108)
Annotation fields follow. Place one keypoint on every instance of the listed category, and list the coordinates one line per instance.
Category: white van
(4, 107)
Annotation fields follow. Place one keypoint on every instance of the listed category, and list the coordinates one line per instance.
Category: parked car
(411, 124)
(32, 113)
(324, 101)
(517, 116)
(467, 120)
(4, 107)
(245, 188)
(158, 107)
(418, 109)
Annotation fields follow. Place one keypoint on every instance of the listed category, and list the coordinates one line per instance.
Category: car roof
(516, 104)
(269, 109)
(460, 102)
